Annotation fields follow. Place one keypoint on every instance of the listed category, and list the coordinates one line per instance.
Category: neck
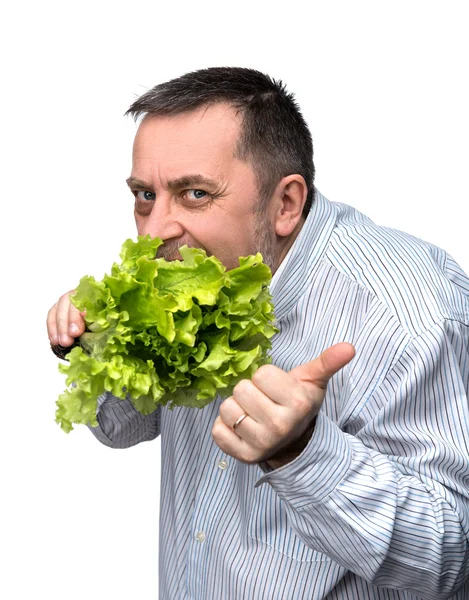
(287, 243)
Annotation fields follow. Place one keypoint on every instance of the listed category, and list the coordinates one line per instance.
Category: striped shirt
(377, 505)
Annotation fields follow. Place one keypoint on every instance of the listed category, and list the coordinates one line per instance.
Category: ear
(290, 195)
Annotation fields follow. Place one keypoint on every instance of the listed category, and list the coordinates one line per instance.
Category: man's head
(244, 132)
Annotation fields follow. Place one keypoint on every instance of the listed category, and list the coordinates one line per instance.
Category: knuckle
(224, 410)
(216, 431)
(262, 373)
(258, 440)
(64, 299)
(264, 439)
(280, 426)
(300, 405)
(227, 406)
(250, 457)
(242, 387)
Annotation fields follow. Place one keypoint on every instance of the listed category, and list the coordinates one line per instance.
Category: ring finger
(233, 416)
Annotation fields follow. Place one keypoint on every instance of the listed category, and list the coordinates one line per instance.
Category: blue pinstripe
(377, 505)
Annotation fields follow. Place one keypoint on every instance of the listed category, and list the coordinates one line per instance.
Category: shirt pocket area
(268, 523)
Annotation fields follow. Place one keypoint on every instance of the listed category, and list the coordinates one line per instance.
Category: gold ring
(243, 416)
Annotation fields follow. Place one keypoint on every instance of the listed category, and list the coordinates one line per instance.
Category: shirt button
(200, 537)
(223, 465)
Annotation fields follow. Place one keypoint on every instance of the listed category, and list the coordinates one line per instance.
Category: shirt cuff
(317, 471)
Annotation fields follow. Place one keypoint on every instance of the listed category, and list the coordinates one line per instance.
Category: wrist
(289, 453)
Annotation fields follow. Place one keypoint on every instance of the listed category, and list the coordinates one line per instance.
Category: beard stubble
(264, 242)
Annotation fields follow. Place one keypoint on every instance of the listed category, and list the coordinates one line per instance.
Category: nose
(162, 221)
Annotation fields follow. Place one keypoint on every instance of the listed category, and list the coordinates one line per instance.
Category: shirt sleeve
(390, 502)
(121, 425)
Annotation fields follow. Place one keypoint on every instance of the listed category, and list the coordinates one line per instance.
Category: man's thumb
(321, 369)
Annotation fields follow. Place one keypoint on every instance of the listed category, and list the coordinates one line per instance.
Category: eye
(195, 194)
(145, 195)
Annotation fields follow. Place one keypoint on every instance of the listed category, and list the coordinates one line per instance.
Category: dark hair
(274, 137)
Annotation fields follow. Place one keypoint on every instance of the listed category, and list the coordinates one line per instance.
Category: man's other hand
(281, 407)
(65, 323)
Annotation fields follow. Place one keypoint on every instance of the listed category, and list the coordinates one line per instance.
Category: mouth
(172, 258)
(169, 257)
(170, 250)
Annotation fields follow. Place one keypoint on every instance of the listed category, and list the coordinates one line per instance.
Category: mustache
(170, 249)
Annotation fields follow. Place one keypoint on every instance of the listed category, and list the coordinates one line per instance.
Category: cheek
(232, 231)
(233, 242)
(140, 222)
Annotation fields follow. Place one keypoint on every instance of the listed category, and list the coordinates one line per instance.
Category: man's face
(190, 189)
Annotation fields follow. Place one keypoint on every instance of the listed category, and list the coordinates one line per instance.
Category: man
(322, 477)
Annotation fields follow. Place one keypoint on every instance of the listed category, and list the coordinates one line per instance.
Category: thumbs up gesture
(271, 417)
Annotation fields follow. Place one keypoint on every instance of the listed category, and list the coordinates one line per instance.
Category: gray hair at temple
(274, 138)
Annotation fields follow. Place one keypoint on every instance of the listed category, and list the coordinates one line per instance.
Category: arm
(121, 425)
(391, 502)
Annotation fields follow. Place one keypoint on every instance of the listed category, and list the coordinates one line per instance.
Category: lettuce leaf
(171, 333)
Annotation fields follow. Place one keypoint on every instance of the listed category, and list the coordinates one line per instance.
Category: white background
(384, 87)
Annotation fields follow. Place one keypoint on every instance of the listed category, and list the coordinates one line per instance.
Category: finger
(277, 386)
(260, 437)
(61, 319)
(230, 411)
(318, 371)
(233, 444)
(76, 321)
(256, 400)
(52, 325)
(69, 322)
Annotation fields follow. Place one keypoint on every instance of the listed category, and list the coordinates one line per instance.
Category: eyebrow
(185, 181)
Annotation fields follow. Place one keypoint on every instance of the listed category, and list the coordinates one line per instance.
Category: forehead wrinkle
(159, 142)
(221, 114)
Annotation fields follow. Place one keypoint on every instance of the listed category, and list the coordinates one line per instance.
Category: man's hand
(280, 406)
(64, 322)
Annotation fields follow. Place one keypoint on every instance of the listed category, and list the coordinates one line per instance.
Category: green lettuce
(160, 332)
